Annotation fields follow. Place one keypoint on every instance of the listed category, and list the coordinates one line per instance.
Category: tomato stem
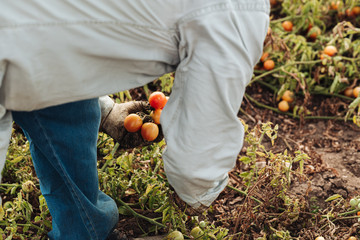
(282, 67)
(137, 215)
(292, 115)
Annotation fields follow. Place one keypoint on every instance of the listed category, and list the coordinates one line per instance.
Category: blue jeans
(63, 148)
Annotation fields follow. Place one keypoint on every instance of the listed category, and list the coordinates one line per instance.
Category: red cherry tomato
(133, 123)
(157, 100)
(149, 131)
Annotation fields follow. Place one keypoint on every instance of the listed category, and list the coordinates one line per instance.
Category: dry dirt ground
(332, 145)
(334, 149)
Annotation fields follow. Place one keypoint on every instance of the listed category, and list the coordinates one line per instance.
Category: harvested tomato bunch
(149, 130)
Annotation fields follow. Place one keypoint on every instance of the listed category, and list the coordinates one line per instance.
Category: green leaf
(17, 159)
(245, 160)
(124, 211)
(244, 174)
(335, 83)
(333, 197)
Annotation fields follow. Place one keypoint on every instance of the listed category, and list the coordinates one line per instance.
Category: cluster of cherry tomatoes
(352, 92)
(286, 99)
(268, 63)
(149, 130)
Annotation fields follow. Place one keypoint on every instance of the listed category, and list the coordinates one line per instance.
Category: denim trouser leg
(63, 147)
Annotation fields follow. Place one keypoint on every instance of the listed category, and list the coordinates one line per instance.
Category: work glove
(112, 122)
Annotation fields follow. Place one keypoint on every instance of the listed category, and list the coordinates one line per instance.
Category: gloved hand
(112, 122)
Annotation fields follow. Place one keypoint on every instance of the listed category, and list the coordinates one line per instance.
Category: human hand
(112, 123)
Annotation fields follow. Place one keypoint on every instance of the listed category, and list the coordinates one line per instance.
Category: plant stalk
(137, 215)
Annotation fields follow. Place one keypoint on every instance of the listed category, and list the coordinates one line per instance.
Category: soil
(332, 145)
(333, 168)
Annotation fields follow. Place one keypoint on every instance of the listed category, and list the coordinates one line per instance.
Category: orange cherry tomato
(264, 56)
(288, 96)
(133, 122)
(287, 25)
(309, 26)
(269, 64)
(334, 5)
(356, 91)
(149, 131)
(283, 106)
(348, 92)
(330, 50)
(355, 11)
(155, 115)
(314, 33)
(349, 13)
(157, 100)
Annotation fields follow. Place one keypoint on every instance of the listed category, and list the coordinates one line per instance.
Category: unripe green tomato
(196, 232)
(175, 235)
(340, 64)
(28, 186)
(202, 224)
(354, 202)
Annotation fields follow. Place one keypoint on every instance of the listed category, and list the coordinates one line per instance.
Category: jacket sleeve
(203, 133)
